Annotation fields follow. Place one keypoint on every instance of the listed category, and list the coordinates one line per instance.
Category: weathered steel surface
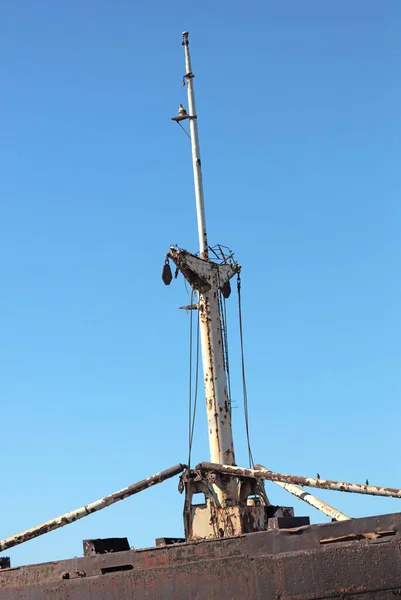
(105, 546)
(88, 509)
(325, 508)
(359, 558)
(208, 278)
(327, 484)
(300, 493)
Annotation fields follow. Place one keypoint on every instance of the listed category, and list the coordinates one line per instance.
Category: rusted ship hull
(357, 558)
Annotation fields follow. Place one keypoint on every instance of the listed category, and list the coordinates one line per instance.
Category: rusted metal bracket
(179, 118)
(88, 509)
(350, 537)
(211, 518)
(193, 482)
(168, 541)
(202, 275)
(73, 575)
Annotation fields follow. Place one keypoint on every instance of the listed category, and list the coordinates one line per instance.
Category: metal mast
(207, 278)
(218, 409)
(193, 126)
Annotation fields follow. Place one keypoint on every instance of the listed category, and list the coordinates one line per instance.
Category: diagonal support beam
(300, 493)
(88, 509)
(324, 484)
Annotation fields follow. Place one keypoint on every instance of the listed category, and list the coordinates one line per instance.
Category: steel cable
(244, 388)
(192, 405)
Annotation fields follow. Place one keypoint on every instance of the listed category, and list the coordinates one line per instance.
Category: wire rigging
(244, 389)
(194, 384)
(223, 317)
(190, 383)
(192, 404)
(196, 381)
(184, 130)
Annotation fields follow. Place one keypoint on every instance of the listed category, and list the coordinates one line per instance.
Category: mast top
(196, 159)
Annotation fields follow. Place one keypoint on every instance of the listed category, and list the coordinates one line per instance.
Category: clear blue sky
(300, 127)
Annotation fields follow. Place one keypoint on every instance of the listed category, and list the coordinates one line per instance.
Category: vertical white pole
(193, 125)
(217, 402)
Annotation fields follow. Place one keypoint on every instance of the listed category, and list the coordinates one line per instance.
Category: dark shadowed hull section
(360, 558)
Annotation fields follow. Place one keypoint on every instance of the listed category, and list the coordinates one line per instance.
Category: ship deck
(349, 559)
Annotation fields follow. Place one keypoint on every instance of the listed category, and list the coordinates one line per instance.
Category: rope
(244, 390)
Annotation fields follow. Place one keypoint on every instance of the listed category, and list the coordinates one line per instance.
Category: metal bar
(325, 508)
(324, 484)
(300, 493)
(84, 511)
(221, 443)
(193, 126)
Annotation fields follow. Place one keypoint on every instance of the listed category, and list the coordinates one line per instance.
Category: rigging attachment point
(167, 276)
